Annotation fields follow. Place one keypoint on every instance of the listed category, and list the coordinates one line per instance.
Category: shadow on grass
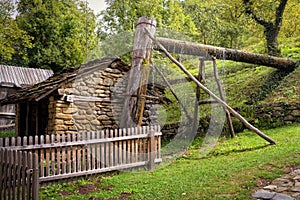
(224, 152)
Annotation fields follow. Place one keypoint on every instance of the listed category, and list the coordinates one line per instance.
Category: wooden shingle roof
(11, 76)
(45, 88)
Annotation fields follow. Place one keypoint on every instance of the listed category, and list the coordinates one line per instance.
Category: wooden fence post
(35, 177)
(138, 78)
(152, 150)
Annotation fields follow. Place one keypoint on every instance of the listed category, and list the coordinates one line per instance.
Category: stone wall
(275, 115)
(109, 87)
(265, 116)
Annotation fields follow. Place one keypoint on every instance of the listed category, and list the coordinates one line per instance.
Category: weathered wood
(152, 150)
(138, 77)
(221, 92)
(231, 110)
(191, 48)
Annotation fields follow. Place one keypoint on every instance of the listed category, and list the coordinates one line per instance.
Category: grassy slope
(230, 171)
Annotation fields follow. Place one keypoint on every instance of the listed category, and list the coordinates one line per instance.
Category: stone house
(12, 79)
(87, 98)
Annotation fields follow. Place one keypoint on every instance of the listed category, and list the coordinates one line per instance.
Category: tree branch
(279, 12)
(254, 16)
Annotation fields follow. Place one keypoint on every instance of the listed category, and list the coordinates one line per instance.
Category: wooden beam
(224, 104)
(196, 49)
(138, 78)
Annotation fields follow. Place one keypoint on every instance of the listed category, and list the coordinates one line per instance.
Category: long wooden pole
(192, 48)
(138, 78)
(231, 110)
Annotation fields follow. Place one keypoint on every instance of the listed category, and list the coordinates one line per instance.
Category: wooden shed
(12, 79)
(86, 98)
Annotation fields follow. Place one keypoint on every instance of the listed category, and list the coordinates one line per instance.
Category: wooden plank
(9, 174)
(88, 152)
(24, 169)
(29, 175)
(47, 171)
(35, 178)
(116, 148)
(98, 151)
(93, 151)
(14, 173)
(42, 157)
(107, 148)
(1, 170)
(53, 156)
(159, 143)
(5, 166)
(84, 146)
(120, 148)
(19, 174)
(102, 149)
(63, 155)
(58, 156)
(69, 153)
(125, 160)
(74, 158)
(129, 146)
(111, 149)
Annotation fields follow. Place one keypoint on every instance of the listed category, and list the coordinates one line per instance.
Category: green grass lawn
(230, 171)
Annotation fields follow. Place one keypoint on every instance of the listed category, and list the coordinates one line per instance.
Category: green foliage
(122, 16)
(62, 32)
(7, 134)
(13, 40)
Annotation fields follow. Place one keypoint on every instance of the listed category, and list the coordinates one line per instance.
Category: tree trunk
(191, 48)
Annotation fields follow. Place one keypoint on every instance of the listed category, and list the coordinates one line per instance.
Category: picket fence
(64, 157)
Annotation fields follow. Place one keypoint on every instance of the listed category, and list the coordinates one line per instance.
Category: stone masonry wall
(109, 86)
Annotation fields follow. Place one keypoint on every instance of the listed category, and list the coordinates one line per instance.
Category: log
(224, 104)
(138, 78)
(196, 49)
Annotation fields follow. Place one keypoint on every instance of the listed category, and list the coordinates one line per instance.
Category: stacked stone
(282, 112)
(108, 86)
(287, 187)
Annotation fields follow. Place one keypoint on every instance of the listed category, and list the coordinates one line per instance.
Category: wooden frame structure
(144, 33)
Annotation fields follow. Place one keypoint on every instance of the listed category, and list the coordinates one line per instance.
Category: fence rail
(73, 155)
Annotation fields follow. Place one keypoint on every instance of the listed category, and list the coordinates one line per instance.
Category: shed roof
(12, 76)
(45, 88)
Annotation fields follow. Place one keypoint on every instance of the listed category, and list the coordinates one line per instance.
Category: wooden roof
(44, 89)
(11, 76)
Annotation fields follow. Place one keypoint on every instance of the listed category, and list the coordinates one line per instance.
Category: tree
(122, 15)
(12, 39)
(270, 23)
(62, 31)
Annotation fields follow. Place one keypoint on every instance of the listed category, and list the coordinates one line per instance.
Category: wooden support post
(35, 177)
(228, 117)
(173, 92)
(231, 110)
(196, 106)
(138, 78)
(152, 150)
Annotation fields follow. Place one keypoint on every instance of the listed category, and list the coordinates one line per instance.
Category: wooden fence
(68, 156)
(18, 175)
